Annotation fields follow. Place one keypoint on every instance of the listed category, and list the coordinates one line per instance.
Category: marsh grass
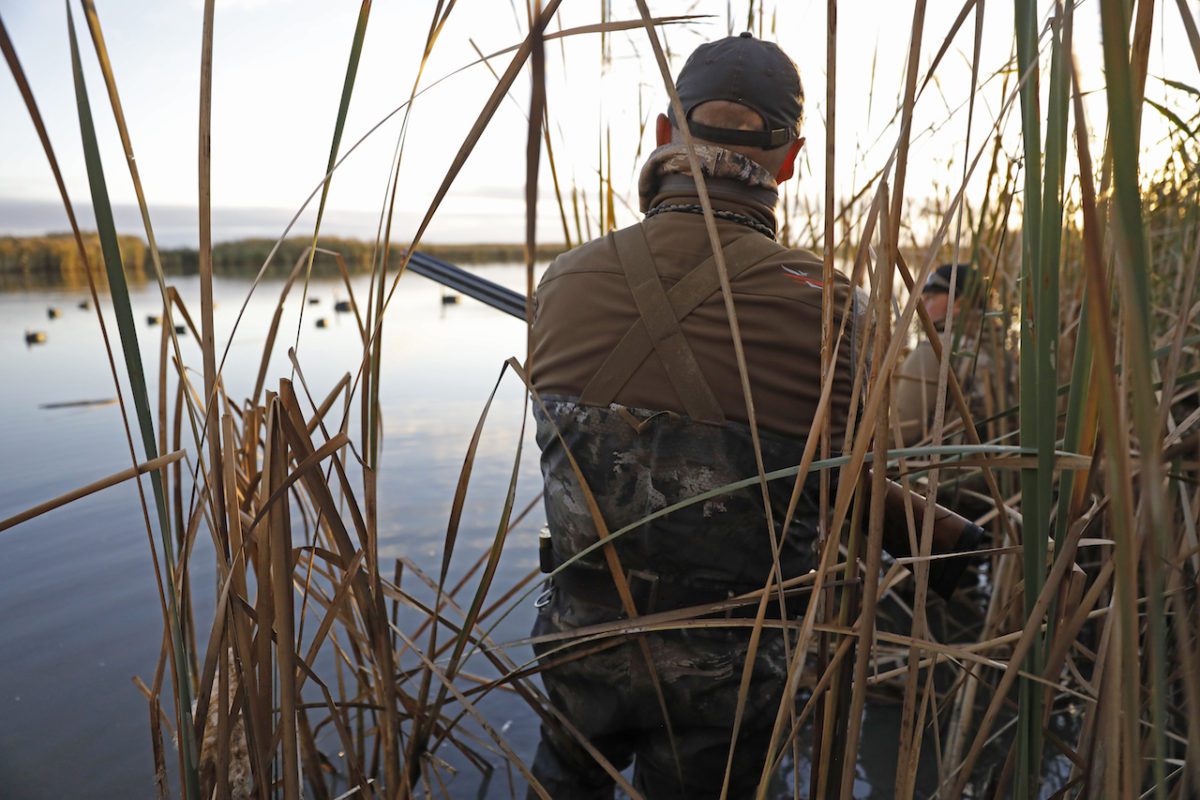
(308, 678)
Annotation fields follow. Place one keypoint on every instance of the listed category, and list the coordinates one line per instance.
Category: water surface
(79, 611)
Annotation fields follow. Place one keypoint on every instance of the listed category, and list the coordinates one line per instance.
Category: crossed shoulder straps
(660, 311)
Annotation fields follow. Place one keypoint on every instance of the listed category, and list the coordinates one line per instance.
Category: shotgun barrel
(487, 292)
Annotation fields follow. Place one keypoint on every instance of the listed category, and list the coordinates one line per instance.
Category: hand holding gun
(952, 533)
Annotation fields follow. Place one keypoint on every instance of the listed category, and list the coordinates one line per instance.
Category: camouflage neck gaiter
(715, 162)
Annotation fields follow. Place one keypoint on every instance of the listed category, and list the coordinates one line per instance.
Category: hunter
(634, 360)
(978, 355)
(636, 377)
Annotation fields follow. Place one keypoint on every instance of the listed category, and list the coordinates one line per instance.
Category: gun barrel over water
(487, 292)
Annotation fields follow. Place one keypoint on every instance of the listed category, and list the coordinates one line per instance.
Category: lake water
(79, 613)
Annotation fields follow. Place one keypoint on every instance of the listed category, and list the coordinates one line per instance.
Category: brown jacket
(985, 372)
(584, 307)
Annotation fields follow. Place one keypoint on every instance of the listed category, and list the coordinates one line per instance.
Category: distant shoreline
(56, 256)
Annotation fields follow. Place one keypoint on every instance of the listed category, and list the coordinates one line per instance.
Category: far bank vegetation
(55, 258)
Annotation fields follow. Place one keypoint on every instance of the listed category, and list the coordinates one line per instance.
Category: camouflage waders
(610, 698)
(641, 462)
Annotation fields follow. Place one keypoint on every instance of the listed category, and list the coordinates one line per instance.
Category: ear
(662, 130)
(788, 169)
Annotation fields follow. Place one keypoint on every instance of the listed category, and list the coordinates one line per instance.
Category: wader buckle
(545, 597)
(643, 586)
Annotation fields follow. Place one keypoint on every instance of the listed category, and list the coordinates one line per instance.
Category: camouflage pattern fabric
(638, 462)
(610, 697)
(715, 162)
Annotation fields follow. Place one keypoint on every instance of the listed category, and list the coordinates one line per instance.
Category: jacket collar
(735, 182)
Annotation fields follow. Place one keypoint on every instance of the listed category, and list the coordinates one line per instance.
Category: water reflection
(77, 592)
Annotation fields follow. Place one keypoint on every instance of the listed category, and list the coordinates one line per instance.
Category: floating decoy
(35, 337)
(312, 301)
(85, 305)
(322, 322)
(52, 312)
(450, 299)
(108, 401)
(342, 306)
(181, 330)
(153, 319)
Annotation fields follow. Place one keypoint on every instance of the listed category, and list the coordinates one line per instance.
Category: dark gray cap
(749, 71)
(939, 280)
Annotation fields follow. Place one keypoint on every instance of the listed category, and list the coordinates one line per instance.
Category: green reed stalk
(1132, 261)
(123, 310)
(1081, 365)
(1038, 334)
(106, 70)
(1078, 388)
(1045, 334)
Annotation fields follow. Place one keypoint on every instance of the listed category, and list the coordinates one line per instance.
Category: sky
(279, 65)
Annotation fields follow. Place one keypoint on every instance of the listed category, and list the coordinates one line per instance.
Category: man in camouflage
(634, 362)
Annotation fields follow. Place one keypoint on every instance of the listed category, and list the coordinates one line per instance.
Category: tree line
(56, 257)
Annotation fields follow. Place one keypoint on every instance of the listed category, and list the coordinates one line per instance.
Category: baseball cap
(749, 71)
(939, 280)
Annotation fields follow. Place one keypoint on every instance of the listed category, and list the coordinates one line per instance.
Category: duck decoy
(35, 337)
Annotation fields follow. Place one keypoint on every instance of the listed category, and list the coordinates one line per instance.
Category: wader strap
(683, 298)
(662, 326)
